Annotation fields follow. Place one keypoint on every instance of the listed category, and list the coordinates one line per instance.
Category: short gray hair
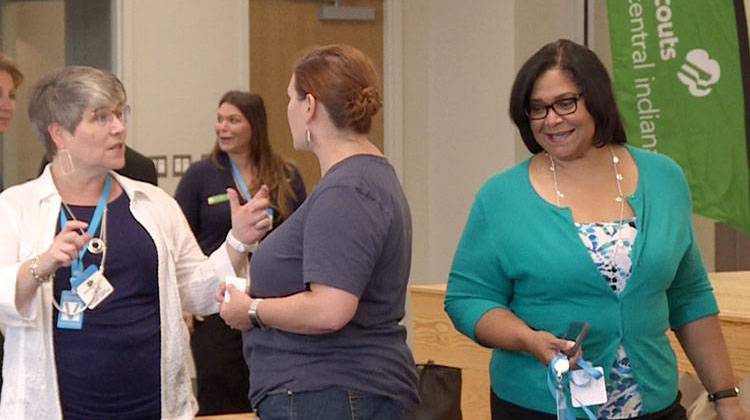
(62, 95)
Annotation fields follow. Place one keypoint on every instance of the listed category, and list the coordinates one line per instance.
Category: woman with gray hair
(95, 268)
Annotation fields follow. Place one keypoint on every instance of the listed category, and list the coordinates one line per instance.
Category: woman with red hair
(328, 286)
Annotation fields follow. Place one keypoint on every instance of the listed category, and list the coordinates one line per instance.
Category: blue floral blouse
(611, 252)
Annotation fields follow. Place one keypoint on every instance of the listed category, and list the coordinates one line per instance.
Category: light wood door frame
(282, 29)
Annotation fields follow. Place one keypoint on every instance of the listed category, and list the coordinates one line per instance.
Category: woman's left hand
(235, 311)
(251, 221)
(730, 409)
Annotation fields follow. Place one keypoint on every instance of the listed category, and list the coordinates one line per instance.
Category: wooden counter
(242, 416)
(732, 290)
(436, 339)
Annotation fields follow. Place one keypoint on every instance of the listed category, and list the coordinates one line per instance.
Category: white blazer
(187, 280)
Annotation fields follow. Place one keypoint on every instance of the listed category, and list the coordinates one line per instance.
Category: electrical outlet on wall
(160, 162)
(180, 164)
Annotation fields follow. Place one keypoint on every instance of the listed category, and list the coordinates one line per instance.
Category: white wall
(456, 67)
(458, 63)
(176, 58)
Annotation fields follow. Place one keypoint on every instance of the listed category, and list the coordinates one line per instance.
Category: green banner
(678, 74)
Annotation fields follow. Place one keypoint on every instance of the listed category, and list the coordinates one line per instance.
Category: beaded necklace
(620, 198)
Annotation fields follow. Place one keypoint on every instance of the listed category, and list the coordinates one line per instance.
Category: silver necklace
(95, 245)
(103, 235)
(620, 198)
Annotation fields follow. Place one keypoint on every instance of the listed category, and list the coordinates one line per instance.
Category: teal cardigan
(521, 253)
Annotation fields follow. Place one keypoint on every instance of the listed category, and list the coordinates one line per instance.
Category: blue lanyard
(554, 383)
(241, 183)
(77, 266)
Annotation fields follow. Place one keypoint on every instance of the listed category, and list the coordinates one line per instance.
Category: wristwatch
(238, 245)
(253, 313)
(727, 393)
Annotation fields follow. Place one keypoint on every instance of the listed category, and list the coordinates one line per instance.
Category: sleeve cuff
(9, 314)
(466, 317)
(703, 306)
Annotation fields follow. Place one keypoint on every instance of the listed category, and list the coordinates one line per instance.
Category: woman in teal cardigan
(587, 229)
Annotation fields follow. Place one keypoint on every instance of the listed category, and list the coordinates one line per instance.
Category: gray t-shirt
(352, 233)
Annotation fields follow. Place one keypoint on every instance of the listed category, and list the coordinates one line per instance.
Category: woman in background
(242, 158)
(10, 78)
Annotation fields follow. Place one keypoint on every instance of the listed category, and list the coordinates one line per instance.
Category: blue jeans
(330, 404)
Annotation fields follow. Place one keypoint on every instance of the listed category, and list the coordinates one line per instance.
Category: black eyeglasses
(564, 106)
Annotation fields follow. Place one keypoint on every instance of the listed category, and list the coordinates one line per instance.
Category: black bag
(440, 391)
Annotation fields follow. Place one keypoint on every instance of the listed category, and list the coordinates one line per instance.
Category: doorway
(279, 31)
(42, 35)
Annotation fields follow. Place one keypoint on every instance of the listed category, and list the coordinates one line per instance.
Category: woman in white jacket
(95, 268)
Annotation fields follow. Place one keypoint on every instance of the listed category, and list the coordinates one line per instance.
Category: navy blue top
(353, 233)
(111, 368)
(210, 223)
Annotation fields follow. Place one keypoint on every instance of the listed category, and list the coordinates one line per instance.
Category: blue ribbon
(77, 266)
(555, 385)
(241, 183)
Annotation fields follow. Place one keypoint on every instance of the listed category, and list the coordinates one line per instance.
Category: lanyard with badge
(88, 287)
(587, 385)
(243, 187)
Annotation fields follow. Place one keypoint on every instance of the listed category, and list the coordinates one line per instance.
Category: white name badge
(585, 390)
(239, 282)
(94, 289)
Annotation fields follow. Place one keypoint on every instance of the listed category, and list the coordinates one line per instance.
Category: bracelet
(34, 270)
(238, 245)
(253, 313)
(726, 393)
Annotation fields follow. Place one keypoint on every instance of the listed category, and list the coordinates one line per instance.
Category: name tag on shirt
(71, 316)
(585, 390)
(81, 276)
(94, 289)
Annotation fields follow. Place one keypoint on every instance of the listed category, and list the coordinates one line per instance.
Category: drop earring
(308, 138)
(66, 162)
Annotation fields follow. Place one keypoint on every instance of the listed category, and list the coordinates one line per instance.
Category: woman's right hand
(545, 346)
(250, 222)
(65, 247)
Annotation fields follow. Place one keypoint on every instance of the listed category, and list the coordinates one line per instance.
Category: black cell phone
(576, 332)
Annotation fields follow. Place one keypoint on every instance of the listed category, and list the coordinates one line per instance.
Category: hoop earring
(66, 162)
(308, 137)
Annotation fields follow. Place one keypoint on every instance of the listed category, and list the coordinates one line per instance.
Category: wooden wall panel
(279, 31)
(732, 249)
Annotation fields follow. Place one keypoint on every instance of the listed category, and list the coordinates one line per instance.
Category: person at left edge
(128, 356)
(10, 78)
